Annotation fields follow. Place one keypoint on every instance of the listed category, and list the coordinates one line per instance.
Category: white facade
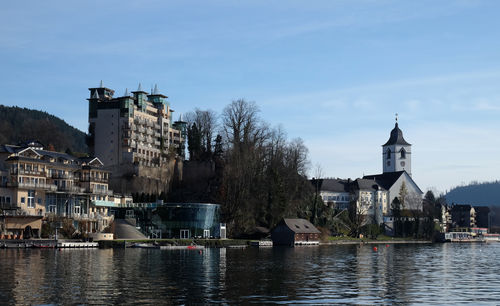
(338, 200)
(396, 158)
(372, 203)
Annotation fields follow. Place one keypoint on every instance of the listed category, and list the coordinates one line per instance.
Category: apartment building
(136, 128)
(40, 183)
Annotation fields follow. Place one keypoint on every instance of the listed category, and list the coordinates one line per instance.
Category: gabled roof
(396, 137)
(91, 161)
(26, 150)
(300, 226)
(386, 180)
(336, 185)
(8, 148)
(367, 184)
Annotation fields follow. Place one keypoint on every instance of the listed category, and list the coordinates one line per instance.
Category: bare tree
(241, 124)
(206, 123)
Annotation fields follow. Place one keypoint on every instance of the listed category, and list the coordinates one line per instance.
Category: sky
(333, 73)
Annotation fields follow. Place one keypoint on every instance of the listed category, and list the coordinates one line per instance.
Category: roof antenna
(140, 87)
(126, 92)
(156, 89)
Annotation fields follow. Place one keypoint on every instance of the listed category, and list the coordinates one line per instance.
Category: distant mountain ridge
(22, 124)
(486, 194)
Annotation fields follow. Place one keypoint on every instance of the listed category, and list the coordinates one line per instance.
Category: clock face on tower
(402, 164)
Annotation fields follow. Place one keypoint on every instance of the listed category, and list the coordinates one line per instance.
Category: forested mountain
(486, 194)
(21, 124)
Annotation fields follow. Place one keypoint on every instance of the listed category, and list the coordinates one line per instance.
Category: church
(396, 164)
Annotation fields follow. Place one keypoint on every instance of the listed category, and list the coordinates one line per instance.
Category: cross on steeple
(396, 117)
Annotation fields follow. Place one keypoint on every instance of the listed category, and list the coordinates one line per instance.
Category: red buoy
(386, 245)
(375, 249)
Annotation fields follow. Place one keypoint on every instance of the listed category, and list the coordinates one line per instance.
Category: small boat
(43, 246)
(144, 246)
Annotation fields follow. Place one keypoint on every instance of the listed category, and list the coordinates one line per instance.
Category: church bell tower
(396, 152)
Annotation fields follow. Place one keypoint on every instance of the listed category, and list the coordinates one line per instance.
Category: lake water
(341, 274)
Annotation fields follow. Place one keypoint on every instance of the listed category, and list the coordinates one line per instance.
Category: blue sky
(331, 72)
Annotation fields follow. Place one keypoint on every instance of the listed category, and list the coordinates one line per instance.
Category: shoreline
(347, 242)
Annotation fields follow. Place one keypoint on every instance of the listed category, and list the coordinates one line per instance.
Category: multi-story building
(334, 192)
(133, 129)
(136, 138)
(43, 183)
(363, 197)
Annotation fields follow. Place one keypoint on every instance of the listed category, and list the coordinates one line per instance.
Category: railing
(9, 206)
(28, 172)
(35, 186)
(56, 175)
(73, 189)
(94, 179)
(100, 191)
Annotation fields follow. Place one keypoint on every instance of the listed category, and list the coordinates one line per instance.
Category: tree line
(261, 173)
(22, 124)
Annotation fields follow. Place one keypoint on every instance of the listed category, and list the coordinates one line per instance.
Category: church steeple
(396, 152)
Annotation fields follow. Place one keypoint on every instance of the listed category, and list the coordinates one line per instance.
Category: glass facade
(187, 220)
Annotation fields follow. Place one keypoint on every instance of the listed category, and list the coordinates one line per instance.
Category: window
(388, 153)
(403, 153)
(23, 200)
(31, 198)
(185, 234)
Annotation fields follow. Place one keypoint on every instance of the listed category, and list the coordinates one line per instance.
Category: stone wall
(129, 178)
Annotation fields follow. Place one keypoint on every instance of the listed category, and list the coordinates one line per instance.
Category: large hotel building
(133, 129)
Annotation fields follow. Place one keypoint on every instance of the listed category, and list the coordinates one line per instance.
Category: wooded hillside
(487, 194)
(21, 124)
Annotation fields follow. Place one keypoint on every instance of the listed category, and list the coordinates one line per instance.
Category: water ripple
(353, 274)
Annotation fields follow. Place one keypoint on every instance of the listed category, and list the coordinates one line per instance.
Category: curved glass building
(187, 220)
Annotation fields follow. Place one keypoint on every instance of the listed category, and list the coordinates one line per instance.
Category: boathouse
(295, 232)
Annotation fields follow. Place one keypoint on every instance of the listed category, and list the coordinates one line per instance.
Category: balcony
(57, 175)
(27, 172)
(71, 189)
(94, 179)
(104, 203)
(8, 206)
(141, 129)
(100, 191)
(42, 186)
(138, 120)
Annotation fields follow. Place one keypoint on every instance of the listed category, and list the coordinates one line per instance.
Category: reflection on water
(350, 274)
